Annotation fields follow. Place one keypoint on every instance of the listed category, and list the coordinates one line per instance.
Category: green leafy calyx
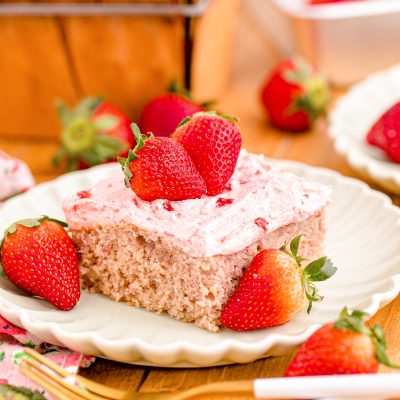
(315, 95)
(174, 87)
(316, 271)
(83, 137)
(31, 223)
(209, 113)
(141, 139)
(355, 322)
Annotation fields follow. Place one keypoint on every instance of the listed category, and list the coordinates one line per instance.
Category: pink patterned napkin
(13, 340)
(15, 176)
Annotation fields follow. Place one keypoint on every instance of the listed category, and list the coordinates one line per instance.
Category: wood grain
(33, 73)
(128, 60)
(213, 45)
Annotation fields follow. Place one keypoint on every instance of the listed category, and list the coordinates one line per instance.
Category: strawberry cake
(186, 257)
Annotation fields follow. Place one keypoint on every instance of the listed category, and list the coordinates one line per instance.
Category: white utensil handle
(354, 386)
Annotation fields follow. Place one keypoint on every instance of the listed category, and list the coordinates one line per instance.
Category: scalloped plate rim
(359, 160)
(259, 349)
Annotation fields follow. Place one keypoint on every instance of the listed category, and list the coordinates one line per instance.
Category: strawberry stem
(78, 136)
(354, 322)
(183, 122)
(210, 113)
(174, 87)
(316, 271)
(315, 95)
(141, 139)
(83, 137)
(31, 223)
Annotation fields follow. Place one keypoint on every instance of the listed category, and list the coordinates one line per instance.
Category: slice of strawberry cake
(186, 257)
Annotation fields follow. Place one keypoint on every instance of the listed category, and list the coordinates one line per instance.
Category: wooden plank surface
(253, 57)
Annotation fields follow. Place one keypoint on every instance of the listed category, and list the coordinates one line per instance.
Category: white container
(348, 40)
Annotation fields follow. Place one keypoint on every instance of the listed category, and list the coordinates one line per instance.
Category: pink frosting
(15, 176)
(259, 198)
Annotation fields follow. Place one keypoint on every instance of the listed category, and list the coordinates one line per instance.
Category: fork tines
(62, 384)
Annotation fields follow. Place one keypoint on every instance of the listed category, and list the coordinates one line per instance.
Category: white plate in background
(354, 114)
(362, 239)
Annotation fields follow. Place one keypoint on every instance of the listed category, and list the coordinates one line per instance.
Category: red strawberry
(345, 347)
(274, 289)
(385, 133)
(213, 143)
(38, 256)
(94, 132)
(159, 168)
(294, 95)
(162, 115)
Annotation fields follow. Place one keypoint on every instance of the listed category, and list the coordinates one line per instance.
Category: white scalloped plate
(363, 240)
(351, 119)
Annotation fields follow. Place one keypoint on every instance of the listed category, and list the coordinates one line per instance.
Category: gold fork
(54, 379)
(57, 382)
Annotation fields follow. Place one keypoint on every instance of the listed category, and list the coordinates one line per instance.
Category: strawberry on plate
(275, 288)
(160, 168)
(385, 133)
(294, 95)
(162, 114)
(213, 142)
(94, 132)
(347, 346)
(38, 256)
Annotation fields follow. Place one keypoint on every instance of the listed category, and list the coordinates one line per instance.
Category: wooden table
(253, 57)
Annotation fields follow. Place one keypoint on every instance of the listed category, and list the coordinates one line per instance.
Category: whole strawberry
(274, 289)
(295, 95)
(159, 168)
(347, 346)
(38, 256)
(94, 132)
(162, 115)
(213, 143)
(385, 133)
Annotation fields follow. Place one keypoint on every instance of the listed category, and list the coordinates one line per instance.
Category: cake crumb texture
(125, 264)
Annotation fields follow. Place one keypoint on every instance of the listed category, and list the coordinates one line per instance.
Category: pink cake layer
(259, 199)
(186, 258)
(124, 264)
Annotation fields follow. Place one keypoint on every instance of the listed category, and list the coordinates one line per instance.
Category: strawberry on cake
(183, 249)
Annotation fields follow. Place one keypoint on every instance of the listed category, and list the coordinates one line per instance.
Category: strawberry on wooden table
(162, 114)
(294, 95)
(347, 346)
(275, 288)
(213, 142)
(159, 168)
(38, 256)
(94, 132)
(385, 133)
